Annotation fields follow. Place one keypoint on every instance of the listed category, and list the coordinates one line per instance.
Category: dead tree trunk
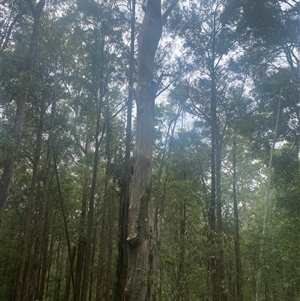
(140, 226)
(8, 170)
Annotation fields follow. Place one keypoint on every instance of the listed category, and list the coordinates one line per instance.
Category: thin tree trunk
(220, 256)
(266, 211)
(26, 236)
(44, 264)
(69, 277)
(6, 37)
(63, 211)
(239, 272)
(90, 220)
(179, 289)
(49, 267)
(37, 261)
(109, 252)
(212, 215)
(212, 209)
(8, 170)
(215, 218)
(111, 236)
(161, 192)
(124, 204)
(140, 227)
(102, 259)
(58, 270)
(82, 237)
(92, 278)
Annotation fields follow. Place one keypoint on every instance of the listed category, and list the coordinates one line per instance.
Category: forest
(150, 150)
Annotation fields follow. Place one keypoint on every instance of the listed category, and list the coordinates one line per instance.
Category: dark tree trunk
(160, 195)
(37, 258)
(215, 218)
(105, 227)
(27, 230)
(69, 277)
(8, 170)
(123, 215)
(212, 213)
(109, 253)
(45, 264)
(90, 219)
(180, 277)
(5, 38)
(82, 237)
(239, 273)
(49, 267)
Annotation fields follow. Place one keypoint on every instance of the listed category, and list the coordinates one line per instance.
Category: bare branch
(163, 90)
(168, 11)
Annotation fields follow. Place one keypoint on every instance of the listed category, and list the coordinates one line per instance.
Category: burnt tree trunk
(140, 226)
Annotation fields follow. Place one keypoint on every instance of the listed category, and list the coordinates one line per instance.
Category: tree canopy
(150, 151)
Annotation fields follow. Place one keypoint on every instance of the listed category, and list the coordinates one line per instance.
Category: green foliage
(82, 61)
(287, 180)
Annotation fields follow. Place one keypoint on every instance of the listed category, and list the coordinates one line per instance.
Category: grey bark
(140, 227)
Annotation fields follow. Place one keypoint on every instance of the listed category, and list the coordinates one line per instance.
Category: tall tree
(140, 229)
(237, 244)
(6, 177)
(208, 42)
(123, 213)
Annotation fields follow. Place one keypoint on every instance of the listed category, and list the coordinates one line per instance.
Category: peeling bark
(140, 227)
